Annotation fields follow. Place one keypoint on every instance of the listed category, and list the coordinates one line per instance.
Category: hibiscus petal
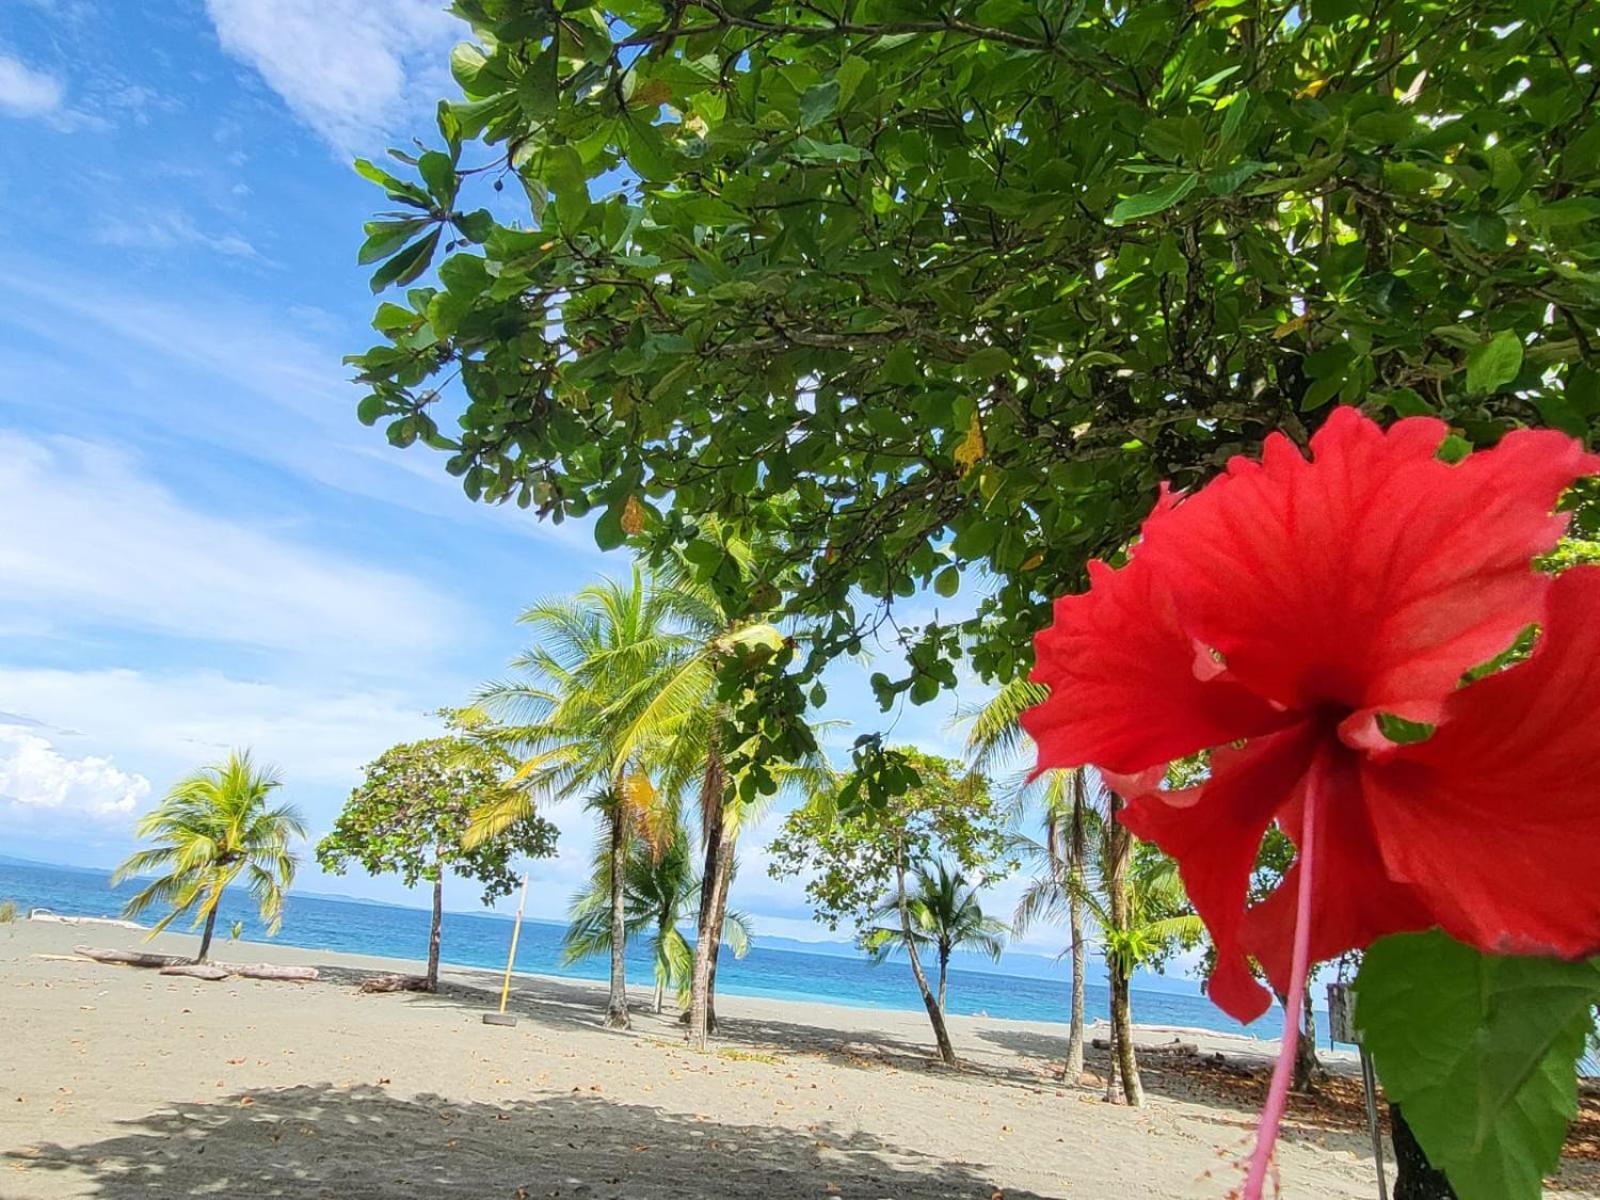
(1353, 900)
(1372, 576)
(1124, 693)
(1214, 831)
(1495, 820)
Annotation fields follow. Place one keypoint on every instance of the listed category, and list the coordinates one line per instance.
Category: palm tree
(945, 916)
(212, 827)
(659, 890)
(1061, 858)
(573, 719)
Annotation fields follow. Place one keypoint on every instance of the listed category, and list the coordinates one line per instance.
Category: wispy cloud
(350, 69)
(171, 231)
(25, 92)
(108, 544)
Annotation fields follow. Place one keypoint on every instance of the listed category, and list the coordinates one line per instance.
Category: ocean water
(481, 940)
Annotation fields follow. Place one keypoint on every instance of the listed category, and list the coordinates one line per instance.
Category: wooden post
(500, 1017)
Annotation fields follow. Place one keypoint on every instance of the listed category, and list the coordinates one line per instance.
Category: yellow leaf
(1292, 325)
(971, 449)
(1033, 562)
(632, 520)
(1314, 88)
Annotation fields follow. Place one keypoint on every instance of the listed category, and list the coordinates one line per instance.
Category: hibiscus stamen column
(1300, 965)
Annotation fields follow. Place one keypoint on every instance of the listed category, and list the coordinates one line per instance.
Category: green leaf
(608, 531)
(408, 265)
(1480, 1052)
(810, 150)
(563, 172)
(1147, 204)
(385, 237)
(991, 360)
(439, 173)
(1494, 363)
(819, 103)
(948, 581)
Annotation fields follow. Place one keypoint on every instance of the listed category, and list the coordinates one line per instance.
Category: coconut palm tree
(945, 916)
(571, 715)
(213, 827)
(659, 891)
(1060, 858)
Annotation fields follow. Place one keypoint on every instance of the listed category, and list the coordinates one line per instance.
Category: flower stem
(1282, 1072)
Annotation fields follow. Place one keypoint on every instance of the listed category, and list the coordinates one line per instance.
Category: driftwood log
(172, 964)
(268, 971)
(130, 958)
(396, 983)
(1188, 1049)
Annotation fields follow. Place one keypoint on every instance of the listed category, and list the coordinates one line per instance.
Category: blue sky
(201, 546)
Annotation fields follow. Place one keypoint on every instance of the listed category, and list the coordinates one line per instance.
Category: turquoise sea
(481, 940)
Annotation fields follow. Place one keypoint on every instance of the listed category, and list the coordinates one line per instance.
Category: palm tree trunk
(1074, 1064)
(944, 972)
(437, 932)
(1121, 847)
(1415, 1177)
(713, 897)
(1111, 1036)
(941, 1035)
(1305, 1051)
(617, 1001)
(205, 938)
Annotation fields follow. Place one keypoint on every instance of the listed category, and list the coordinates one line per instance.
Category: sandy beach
(120, 1083)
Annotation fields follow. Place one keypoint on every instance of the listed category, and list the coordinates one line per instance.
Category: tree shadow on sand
(553, 1002)
(321, 1142)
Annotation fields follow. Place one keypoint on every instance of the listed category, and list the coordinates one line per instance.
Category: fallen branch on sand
(171, 964)
(130, 958)
(268, 971)
(396, 983)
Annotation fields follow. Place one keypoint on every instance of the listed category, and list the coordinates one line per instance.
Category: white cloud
(25, 92)
(93, 536)
(350, 69)
(35, 775)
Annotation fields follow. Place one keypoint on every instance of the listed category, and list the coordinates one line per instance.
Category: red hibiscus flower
(1272, 617)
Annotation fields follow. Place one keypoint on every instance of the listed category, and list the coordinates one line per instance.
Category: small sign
(1342, 1014)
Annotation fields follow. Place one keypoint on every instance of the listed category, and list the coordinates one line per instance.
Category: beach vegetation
(946, 915)
(409, 817)
(8, 911)
(661, 890)
(214, 828)
(858, 857)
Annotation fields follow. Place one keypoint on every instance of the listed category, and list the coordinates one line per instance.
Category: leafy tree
(924, 295)
(409, 817)
(213, 827)
(854, 853)
(946, 916)
(660, 889)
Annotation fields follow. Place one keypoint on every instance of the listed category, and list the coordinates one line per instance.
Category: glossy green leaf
(1480, 1052)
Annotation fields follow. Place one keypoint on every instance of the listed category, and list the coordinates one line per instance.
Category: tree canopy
(918, 291)
(409, 817)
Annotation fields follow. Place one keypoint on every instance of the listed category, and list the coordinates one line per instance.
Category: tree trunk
(1074, 1064)
(713, 897)
(1415, 1177)
(1111, 1038)
(617, 1001)
(1120, 843)
(205, 938)
(1305, 1051)
(944, 973)
(437, 932)
(941, 1035)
